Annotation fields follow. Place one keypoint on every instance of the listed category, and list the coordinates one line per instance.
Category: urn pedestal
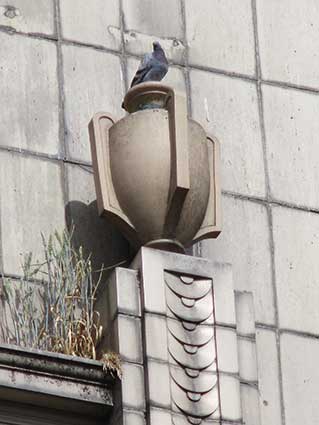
(156, 171)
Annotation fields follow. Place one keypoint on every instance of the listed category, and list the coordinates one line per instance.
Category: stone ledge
(62, 382)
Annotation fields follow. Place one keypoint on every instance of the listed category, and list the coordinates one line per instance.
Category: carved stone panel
(192, 346)
(179, 334)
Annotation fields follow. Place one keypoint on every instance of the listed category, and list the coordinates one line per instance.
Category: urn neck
(146, 96)
(171, 245)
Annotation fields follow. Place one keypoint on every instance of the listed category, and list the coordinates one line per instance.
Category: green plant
(52, 306)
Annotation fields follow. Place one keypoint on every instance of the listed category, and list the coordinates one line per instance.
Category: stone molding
(62, 382)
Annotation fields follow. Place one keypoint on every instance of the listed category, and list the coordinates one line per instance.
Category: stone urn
(156, 171)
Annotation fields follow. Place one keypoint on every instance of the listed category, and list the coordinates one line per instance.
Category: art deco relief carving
(192, 347)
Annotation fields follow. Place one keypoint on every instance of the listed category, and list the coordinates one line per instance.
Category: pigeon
(153, 66)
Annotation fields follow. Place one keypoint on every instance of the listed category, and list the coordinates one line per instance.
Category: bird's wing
(145, 65)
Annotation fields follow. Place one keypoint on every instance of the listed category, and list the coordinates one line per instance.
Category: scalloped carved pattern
(191, 345)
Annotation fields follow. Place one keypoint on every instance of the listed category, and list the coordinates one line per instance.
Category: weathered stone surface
(268, 377)
(228, 109)
(29, 16)
(29, 91)
(94, 22)
(247, 359)
(60, 381)
(296, 236)
(160, 417)
(11, 411)
(146, 21)
(133, 418)
(33, 204)
(294, 32)
(230, 398)
(123, 294)
(159, 384)
(128, 334)
(300, 375)
(227, 354)
(291, 127)
(156, 337)
(250, 405)
(244, 242)
(245, 314)
(150, 17)
(133, 394)
(93, 82)
(224, 312)
(220, 34)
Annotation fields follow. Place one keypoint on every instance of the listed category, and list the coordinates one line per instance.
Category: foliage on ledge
(52, 307)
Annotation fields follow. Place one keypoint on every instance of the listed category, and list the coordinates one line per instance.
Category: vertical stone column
(172, 339)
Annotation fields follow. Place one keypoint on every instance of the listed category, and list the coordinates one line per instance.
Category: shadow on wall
(97, 236)
(99, 240)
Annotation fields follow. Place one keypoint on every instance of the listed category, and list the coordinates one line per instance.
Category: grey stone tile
(224, 300)
(147, 21)
(174, 78)
(98, 238)
(245, 314)
(133, 392)
(150, 264)
(247, 359)
(160, 417)
(151, 17)
(156, 337)
(220, 34)
(94, 22)
(29, 16)
(227, 353)
(288, 39)
(123, 294)
(230, 398)
(300, 375)
(228, 109)
(268, 377)
(129, 338)
(121, 335)
(133, 418)
(159, 384)
(244, 242)
(291, 127)
(93, 82)
(29, 91)
(33, 203)
(250, 405)
(296, 238)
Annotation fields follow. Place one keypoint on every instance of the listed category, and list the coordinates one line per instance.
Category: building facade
(249, 70)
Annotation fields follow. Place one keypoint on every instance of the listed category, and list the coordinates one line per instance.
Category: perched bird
(153, 66)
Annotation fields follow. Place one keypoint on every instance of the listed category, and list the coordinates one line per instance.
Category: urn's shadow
(98, 238)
